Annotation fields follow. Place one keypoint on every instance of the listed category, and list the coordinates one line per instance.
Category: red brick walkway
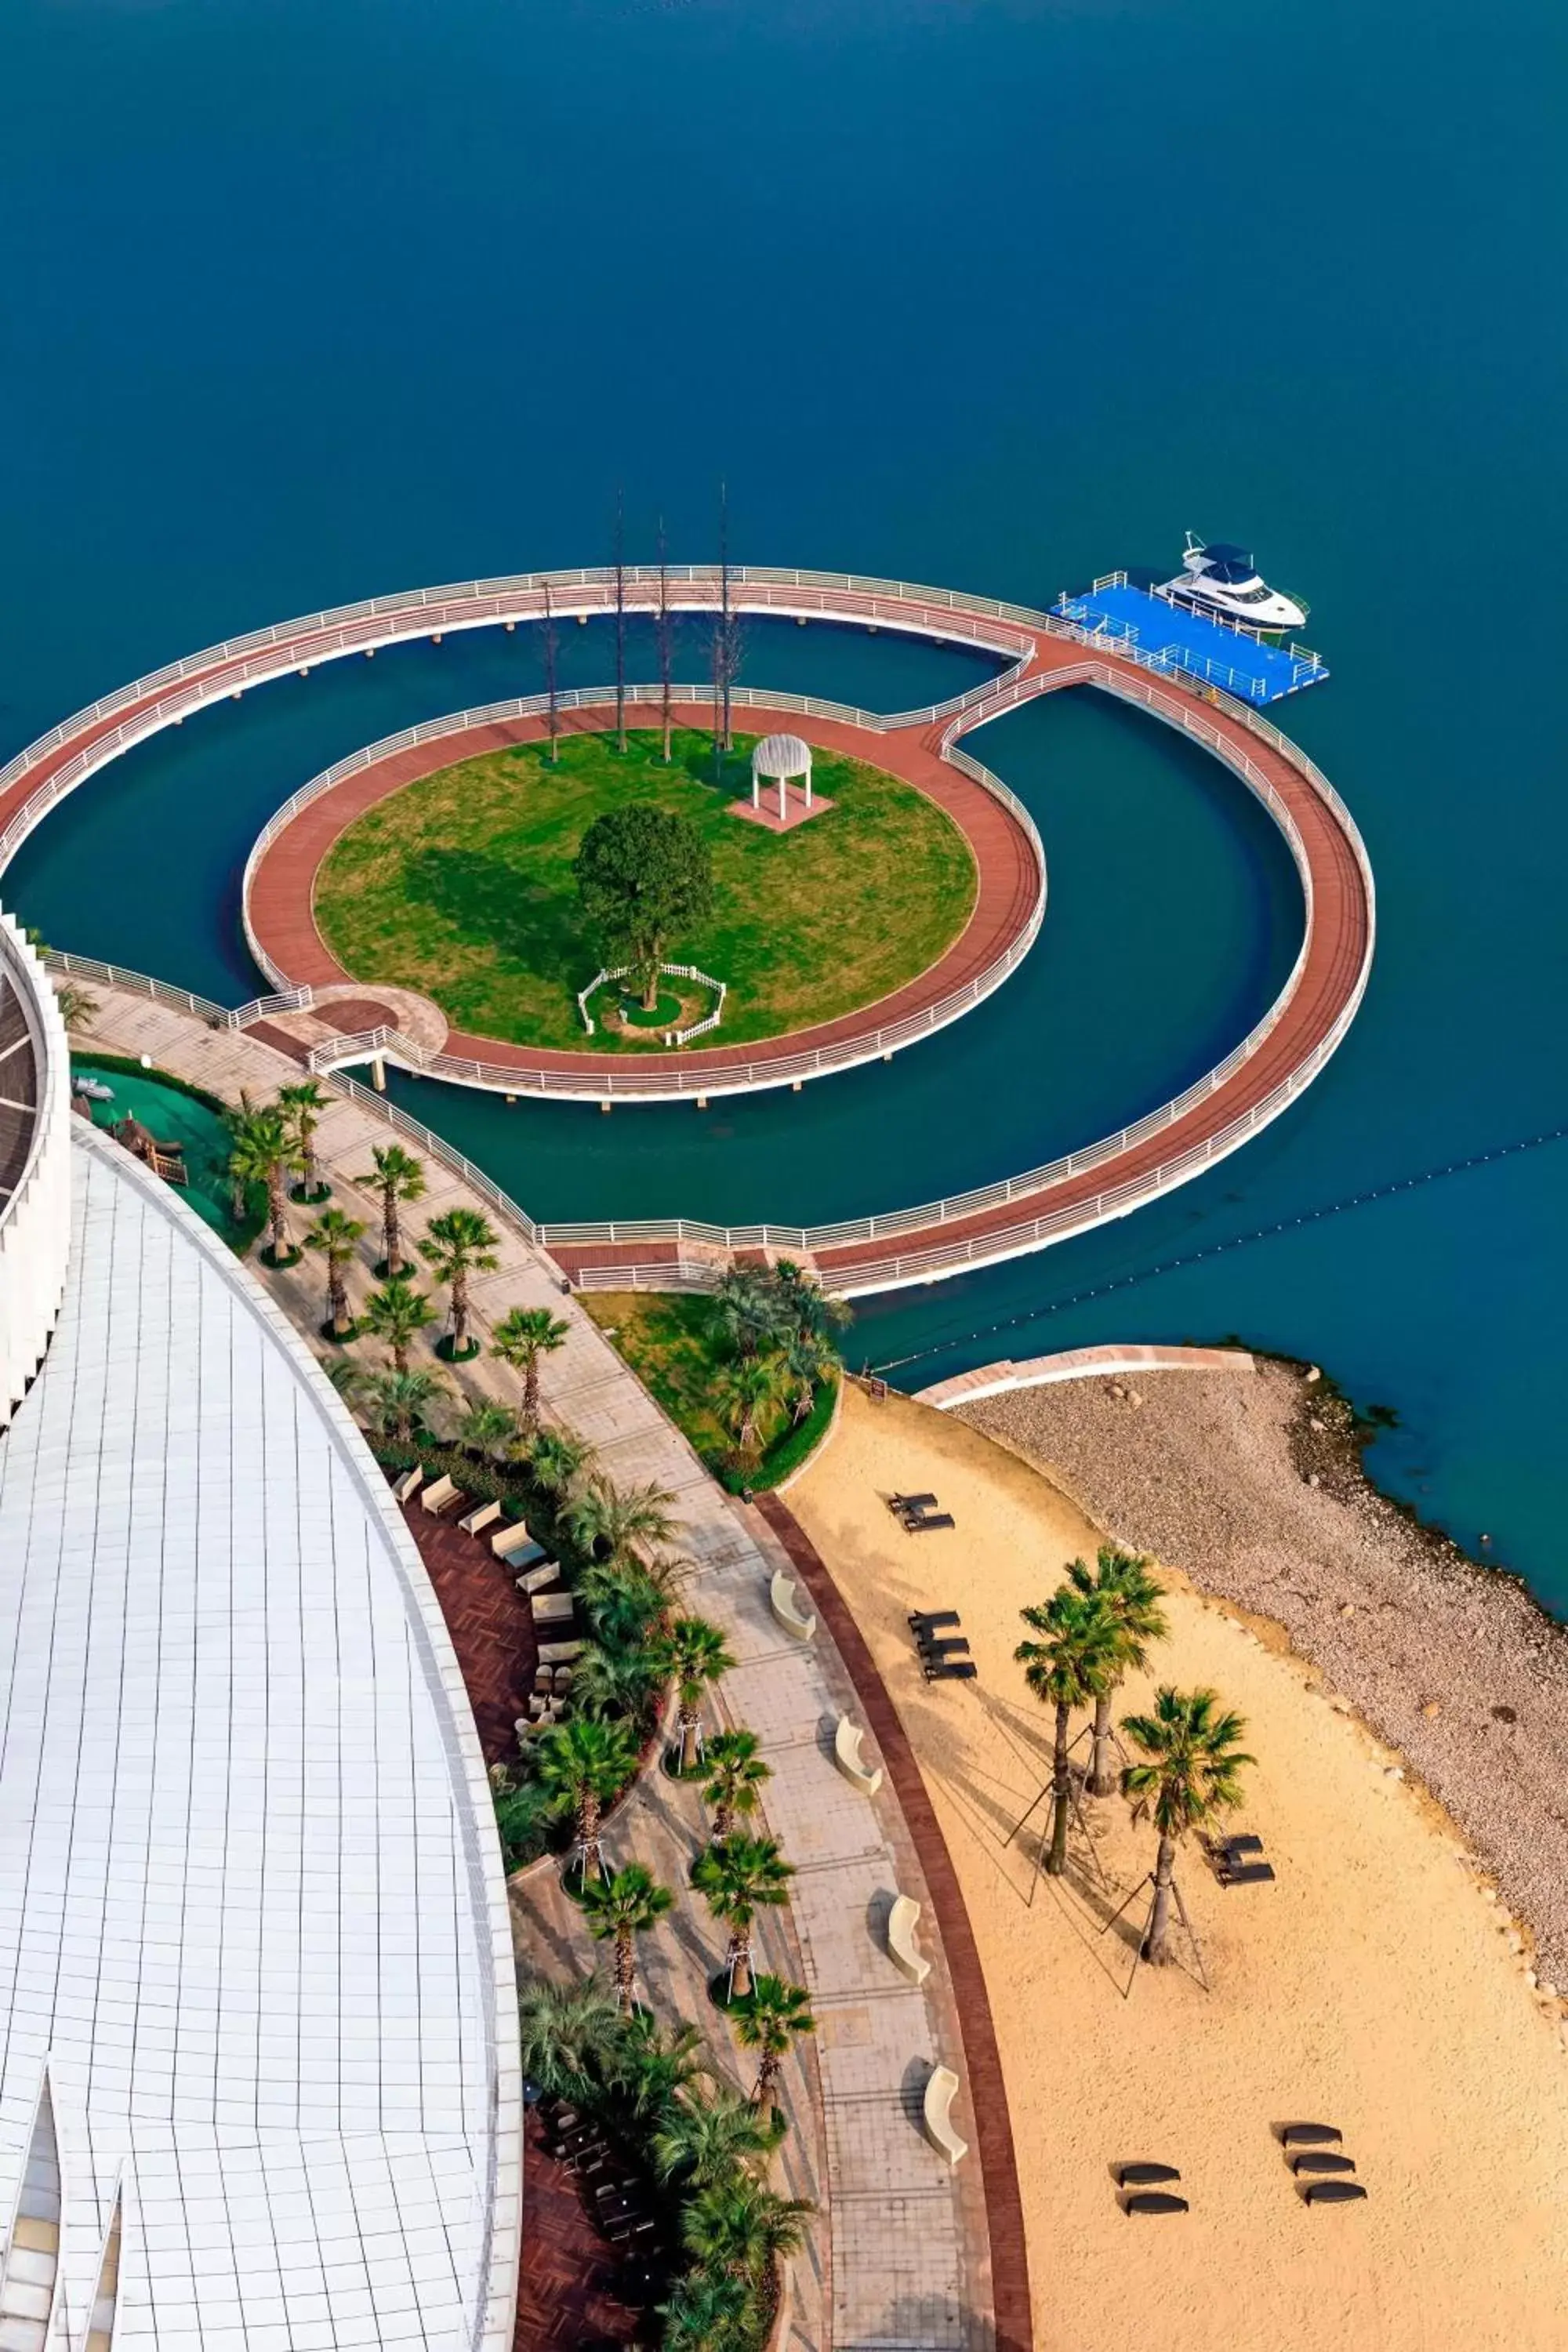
(489, 1623)
(566, 2295)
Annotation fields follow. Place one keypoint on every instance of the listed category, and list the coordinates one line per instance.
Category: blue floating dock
(1165, 636)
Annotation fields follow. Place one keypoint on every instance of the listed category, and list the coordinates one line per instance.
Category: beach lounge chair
(1232, 1848)
(921, 1525)
(946, 1646)
(1322, 2159)
(911, 1502)
(1332, 2192)
(1245, 1874)
(1154, 2201)
(1141, 2176)
(1310, 2135)
(949, 1670)
(926, 1621)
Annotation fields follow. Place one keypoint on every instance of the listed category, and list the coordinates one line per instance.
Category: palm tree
(652, 2068)
(708, 2312)
(747, 1307)
(743, 1393)
(737, 1875)
(335, 1234)
(397, 1313)
(623, 1603)
(1068, 1669)
(809, 1307)
(806, 1360)
(586, 1765)
(779, 2013)
(731, 1777)
(399, 1402)
(569, 2032)
(696, 1654)
(614, 1683)
(261, 1151)
(77, 1007)
(301, 1105)
(455, 1245)
(345, 1376)
(557, 1460)
(1194, 1772)
(613, 1520)
(488, 1428)
(397, 1176)
(706, 2139)
(620, 1909)
(1123, 1582)
(740, 2227)
(520, 1337)
(523, 1813)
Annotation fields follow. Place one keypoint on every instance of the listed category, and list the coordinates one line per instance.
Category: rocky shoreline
(1253, 1485)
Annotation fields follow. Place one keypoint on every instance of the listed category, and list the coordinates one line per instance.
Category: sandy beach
(1372, 1986)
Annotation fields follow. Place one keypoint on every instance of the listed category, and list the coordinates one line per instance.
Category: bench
(559, 1653)
(936, 2113)
(485, 1516)
(847, 1738)
(550, 1607)
(438, 1494)
(784, 1600)
(408, 1486)
(514, 1542)
(903, 1949)
(534, 1580)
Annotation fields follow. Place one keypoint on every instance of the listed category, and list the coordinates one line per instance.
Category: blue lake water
(305, 301)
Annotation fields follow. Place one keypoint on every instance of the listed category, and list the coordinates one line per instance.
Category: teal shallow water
(310, 301)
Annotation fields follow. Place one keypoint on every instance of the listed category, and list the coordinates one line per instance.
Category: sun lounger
(1332, 2192)
(1231, 1847)
(1154, 2201)
(1141, 2176)
(926, 1621)
(1245, 1874)
(922, 1526)
(949, 1670)
(1321, 2159)
(946, 1646)
(1312, 2135)
(911, 1502)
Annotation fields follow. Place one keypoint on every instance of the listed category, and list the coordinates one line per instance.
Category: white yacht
(1223, 584)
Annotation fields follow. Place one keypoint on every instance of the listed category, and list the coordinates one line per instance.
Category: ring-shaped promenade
(1271, 1066)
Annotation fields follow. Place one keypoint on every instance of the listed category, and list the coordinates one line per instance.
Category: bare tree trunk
(1102, 1773)
(1156, 1943)
(554, 710)
(766, 2093)
(741, 1964)
(625, 1968)
(391, 1238)
(531, 1392)
(687, 1739)
(275, 1207)
(723, 1822)
(663, 633)
(459, 1310)
(588, 1834)
(1061, 1798)
(337, 1298)
(620, 620)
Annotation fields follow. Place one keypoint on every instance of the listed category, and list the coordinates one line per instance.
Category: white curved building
(258, 2080)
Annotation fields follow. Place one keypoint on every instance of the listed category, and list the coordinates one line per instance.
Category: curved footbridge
(1255, 1083)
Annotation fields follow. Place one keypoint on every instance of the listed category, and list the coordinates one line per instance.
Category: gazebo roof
(780, 755)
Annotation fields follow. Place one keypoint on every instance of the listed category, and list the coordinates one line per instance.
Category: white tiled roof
(251, 1907)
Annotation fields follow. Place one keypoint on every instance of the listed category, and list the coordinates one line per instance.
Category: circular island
(842, 922)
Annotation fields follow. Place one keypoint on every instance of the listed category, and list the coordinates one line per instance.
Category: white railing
(292, 1000)
(676, 971)
(137, 983)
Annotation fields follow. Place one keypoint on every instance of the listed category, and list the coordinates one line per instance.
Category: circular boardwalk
(1109, 1178)
(287, 941)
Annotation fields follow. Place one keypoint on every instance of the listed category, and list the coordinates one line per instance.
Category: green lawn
(674, 1344)
(461, 885)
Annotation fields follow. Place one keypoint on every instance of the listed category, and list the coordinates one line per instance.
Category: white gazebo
(780, 759)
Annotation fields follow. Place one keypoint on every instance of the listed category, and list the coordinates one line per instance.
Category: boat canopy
(1230, 565)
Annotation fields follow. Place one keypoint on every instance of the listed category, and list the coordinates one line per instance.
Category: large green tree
(644, 875)
(737, 1875)
(620, 1909)
(1125, 1582)
(1078, 1658)
(457, 1245)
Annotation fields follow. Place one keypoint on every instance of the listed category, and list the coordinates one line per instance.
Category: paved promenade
(902, 2256)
